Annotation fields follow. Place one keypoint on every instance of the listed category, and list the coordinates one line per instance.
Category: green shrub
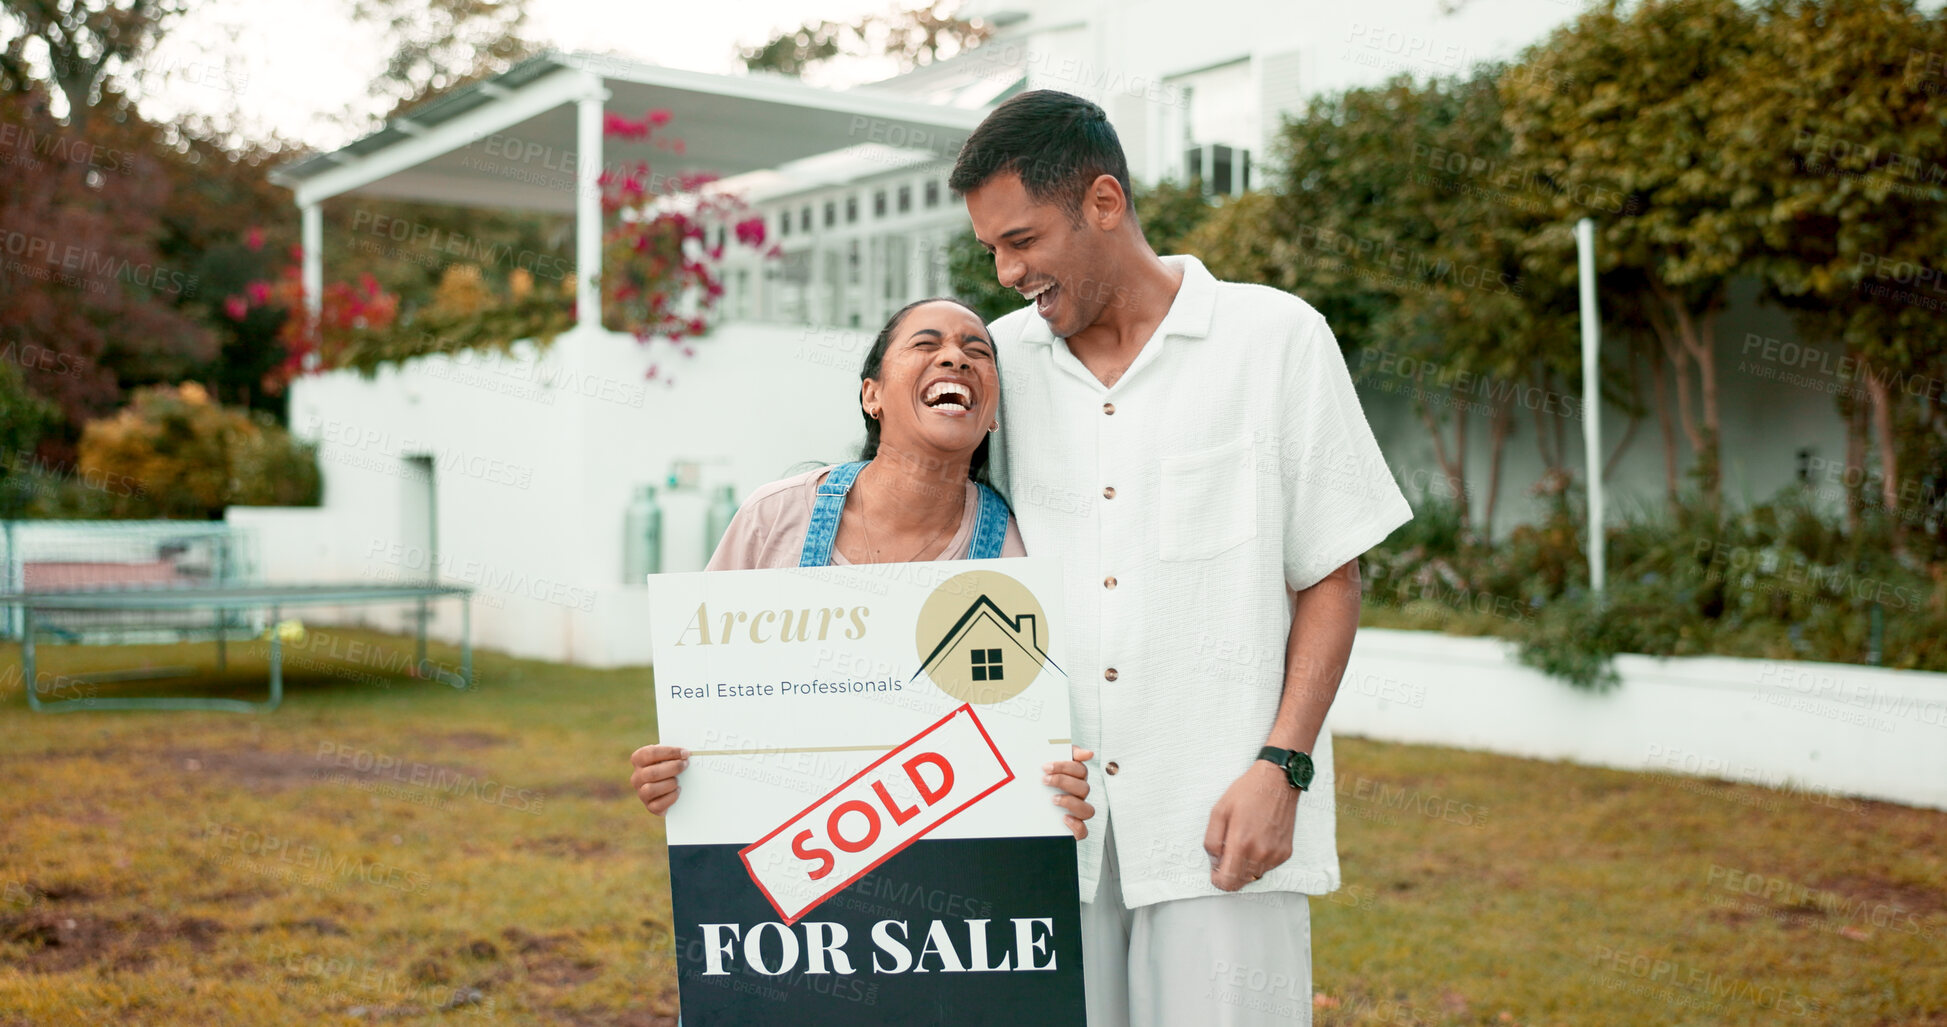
(173, 453)
(1780, 580)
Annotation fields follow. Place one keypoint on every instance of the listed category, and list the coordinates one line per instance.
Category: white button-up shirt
(1231, 462)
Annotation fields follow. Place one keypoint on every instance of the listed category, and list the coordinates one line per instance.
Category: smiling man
(1193, 451)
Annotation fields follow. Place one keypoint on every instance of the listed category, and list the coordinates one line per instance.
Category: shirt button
(1108, 582)
(1111, 768)
(1108, 408)
(1108, 492)
(1109, 674)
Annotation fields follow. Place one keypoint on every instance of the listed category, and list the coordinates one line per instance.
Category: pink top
(770, 527)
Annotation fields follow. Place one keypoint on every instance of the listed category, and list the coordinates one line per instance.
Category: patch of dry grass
(380, 852)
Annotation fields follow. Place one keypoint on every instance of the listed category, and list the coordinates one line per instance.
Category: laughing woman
(930, 395)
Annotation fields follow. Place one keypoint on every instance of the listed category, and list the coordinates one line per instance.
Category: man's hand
(1071, 776)
(654, 778)
(1250, 827)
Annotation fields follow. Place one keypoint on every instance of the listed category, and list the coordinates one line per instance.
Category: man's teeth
(1045, 286)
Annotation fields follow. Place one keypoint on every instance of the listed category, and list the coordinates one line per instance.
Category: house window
(986, 664)
(905, 198)
(933, 193)
(879, 204)
(831, 213)
(804, 219)
(784, 223)
(851, 209)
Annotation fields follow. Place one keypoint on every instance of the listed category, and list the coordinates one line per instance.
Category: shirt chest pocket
(1209, 501)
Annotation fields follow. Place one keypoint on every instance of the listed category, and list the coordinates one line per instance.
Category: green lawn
(380, 851)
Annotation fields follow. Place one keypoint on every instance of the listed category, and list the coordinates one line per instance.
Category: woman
(930, 395)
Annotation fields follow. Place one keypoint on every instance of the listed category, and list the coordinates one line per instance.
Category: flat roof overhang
(511, 141)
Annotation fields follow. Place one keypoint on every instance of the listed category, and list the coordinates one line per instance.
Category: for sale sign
(863, 834)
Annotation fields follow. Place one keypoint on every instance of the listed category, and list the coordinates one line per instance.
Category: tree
(1492, 305)
(83, 278)
(84, 40)
(914, 37)
(228, 225)
(1634, 101)
(1841, 134)
(440, 45)
(22, 417)
(1334, 212)
(194, 457)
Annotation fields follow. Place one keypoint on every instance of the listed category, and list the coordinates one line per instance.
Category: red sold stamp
(867, 820)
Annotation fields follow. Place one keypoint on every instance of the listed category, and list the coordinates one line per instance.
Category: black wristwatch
(1297, 766)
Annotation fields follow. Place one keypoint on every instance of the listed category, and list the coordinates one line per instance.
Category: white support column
(1591, 398)
(588, 204)
(311, 247)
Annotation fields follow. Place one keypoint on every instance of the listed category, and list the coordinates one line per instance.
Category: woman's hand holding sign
(656, 766)
(1071, 778)
(654, 777)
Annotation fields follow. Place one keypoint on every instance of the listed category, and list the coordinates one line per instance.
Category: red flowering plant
(348, 312)
(659, 269)
(659, 281)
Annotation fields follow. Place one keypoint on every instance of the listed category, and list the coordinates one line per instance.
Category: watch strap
(1283, 759)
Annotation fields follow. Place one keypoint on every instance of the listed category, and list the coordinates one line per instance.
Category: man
(1193, 451)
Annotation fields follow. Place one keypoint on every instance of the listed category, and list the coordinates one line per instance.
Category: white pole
(1591, 397)
(311, 247)
(588, 205)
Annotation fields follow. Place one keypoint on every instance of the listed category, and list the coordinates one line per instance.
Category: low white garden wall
(1819, 729)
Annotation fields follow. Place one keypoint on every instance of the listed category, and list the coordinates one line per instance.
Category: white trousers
(1216, 961)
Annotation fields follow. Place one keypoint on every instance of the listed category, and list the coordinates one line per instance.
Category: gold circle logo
(982, 637)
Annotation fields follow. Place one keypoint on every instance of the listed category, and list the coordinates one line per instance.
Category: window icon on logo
(986, 664)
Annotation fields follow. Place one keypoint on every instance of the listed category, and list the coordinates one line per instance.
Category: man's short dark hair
(1057, 142)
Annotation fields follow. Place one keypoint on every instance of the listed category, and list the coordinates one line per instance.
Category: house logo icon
(982, 637)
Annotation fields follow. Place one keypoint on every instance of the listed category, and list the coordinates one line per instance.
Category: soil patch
(58, 942)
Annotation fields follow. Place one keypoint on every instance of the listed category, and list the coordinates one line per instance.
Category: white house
(514, 474)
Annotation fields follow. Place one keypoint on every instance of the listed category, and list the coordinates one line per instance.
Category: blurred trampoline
(156, 582)
(73, 608)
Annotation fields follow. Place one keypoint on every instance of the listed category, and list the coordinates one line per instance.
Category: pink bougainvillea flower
(750, 231)
(259, 293)
(236, 307)
(254, 239)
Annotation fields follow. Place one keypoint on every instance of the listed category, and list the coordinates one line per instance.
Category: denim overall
(990, 525)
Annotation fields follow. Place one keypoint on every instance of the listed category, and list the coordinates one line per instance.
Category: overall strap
(823, 532)
(990, 529)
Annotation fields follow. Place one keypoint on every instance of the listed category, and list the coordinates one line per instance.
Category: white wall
(536, 457)
(1819, 730)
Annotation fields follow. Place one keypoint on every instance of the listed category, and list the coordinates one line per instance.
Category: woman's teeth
(948, 396)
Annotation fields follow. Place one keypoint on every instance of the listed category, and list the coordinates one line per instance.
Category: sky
(302, 69)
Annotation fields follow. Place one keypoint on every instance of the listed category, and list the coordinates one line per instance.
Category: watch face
(1299, 770)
